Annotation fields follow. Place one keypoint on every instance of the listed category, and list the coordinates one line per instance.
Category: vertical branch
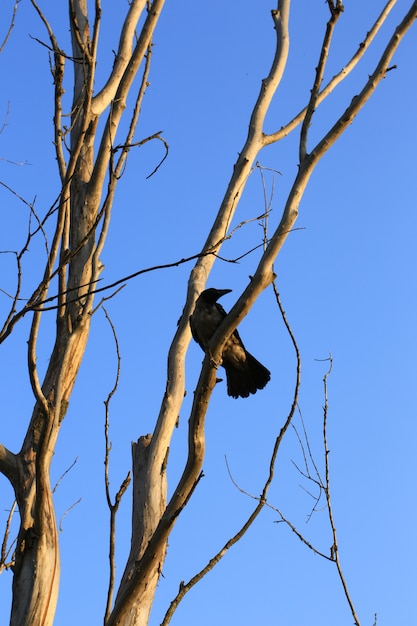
(113, 506)
(136, 591)
(116, 172)
(32, 367)
(255, 141)
(326, 486)
(339, 77)
(324, 54)
(124, 53)
(58, 75)
(119, 101)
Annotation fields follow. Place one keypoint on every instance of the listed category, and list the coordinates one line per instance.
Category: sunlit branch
(79, 30)
(119, 100)
(369, 88)
(102, 99)
(33, 372)
(115, 174)
(9, 464)
(338, 78)
(290, 213)
(128, 143)
(33, 303)
(254, 142)
(324, 54)
(262, 499)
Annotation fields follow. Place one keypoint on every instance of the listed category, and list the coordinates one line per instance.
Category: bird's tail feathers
(246, 380)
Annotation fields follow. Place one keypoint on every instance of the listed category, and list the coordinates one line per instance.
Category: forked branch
(338, 78)
(262, 499)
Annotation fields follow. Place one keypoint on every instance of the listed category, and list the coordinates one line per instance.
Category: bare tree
(91, 154)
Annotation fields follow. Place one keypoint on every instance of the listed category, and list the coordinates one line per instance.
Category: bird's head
(212, 295)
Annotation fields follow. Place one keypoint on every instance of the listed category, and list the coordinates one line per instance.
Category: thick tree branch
(9, 464)
(175, 387)
(338, 78)
(124, 54)
(370, 86)
(119, 100)
(262, 499)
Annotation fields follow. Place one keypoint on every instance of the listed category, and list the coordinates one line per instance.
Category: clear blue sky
(347, 282)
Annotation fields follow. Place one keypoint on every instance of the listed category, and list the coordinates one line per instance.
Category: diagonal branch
(262, 499)
(324, 54)
(119, 101)
(9, 465)
(370, 86)
(11, 26)
(124, 53)
(5, 551)
(338, 78)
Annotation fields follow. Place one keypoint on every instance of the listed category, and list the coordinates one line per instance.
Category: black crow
(244, 373)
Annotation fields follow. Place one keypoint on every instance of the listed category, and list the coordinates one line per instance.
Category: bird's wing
(221, 310)
(235, 332)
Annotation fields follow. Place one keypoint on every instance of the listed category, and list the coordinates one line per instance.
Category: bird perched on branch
(244, 373)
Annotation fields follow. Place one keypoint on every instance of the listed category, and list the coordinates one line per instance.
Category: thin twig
(113, 506)
(65, 513)
(335, 548)
(64, 474)
(283, 518)
(4, 551)
(34, 304)
(11, 26)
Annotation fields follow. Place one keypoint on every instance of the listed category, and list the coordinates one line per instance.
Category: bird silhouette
(244, 373)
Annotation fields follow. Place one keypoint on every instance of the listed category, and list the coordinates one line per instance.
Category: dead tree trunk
(81, 229)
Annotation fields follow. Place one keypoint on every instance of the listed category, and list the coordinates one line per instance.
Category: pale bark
(76, 246)
(153, 556)
(146, 513)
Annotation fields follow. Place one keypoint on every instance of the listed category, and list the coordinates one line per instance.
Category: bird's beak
(223, 292)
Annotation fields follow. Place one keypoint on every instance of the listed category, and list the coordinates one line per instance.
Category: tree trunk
(37, 567)
(144, 521)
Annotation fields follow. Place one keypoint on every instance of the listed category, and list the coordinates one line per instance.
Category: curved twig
(11, 26)
(113, 506)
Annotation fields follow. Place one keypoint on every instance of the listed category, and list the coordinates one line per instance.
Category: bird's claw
(213, 363)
